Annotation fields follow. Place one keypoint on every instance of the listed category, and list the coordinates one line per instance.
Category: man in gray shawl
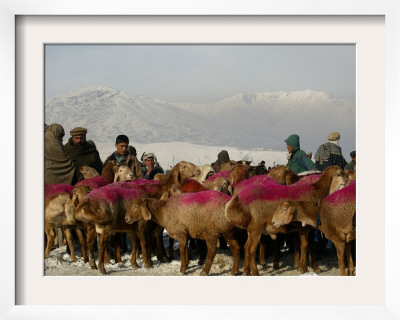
(58, 168)
(330, 153)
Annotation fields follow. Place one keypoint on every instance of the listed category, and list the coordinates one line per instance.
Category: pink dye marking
(255, 180)
(224, 174)
(339, 197)
(94, 183)
(203, 198)
(115, 194)
(145, 182)
(274, 192)
(57, 188)
(309, 179)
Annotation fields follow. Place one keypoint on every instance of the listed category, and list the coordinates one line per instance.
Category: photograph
(212, 122)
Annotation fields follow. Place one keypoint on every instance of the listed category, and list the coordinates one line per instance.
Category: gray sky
(201, 73)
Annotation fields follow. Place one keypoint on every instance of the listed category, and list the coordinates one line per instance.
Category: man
(352, 164)
(82, 152)
(126, 155)
(150, 167)
(298, 162)
(330, 153)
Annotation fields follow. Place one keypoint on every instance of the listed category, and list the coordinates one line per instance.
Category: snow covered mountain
(245, 120)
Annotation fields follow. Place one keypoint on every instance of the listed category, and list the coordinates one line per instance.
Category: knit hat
(78, 131)
(353, 154)
(334, 136)
(149, 155)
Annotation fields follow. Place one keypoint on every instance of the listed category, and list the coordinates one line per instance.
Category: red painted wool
(192, 185)
(57, 188)
(203, 198)
(312, 178)
(145, 182)
(224, 174)
(114, 194)
(94, 183)
(274, 192)
(256, 180)
(339, 197)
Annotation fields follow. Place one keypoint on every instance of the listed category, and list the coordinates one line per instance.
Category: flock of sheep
(236, 205)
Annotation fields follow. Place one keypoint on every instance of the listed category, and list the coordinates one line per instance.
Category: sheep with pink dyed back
(253, 208)
(337, 214)
(198, 215)
(57, 214)
(105, 208)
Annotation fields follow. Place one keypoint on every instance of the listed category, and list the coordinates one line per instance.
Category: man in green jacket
(82, 152)
(298, 161)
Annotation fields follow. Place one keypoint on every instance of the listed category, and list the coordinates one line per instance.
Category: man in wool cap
(82, 152)
(150, 166)
(329, 153)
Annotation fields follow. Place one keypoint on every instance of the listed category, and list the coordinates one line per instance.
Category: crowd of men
(62, 162)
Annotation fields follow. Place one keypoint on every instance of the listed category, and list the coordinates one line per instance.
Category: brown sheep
(337, 215)
(105, 208)
(283, 175)
(88, 172)
(253, 207)
(180, 172)
(199, 215)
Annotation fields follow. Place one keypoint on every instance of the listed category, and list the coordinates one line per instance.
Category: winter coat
(298, 161)
(85, 154)
(129, 160)
(157, 169)
(350, 166)
(58, 168)
(329, 154)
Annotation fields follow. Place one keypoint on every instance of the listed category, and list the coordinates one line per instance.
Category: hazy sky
(201, 73)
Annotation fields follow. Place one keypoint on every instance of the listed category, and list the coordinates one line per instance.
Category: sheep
(219, 184)
(253, 207)
(206, 171)
(57, 214)
(105, 208)
(283, 175)
(337, 215)
(122, 173)
(180, 172)
(239, 173)
(199, 215)
(88, 172)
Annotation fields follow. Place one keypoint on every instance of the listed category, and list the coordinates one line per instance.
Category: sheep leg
(262, 251)
(50, 239)
(349, 258)
(235, 248)
(133, 239)
(296, 250)
(312, 256)
(91, 237)
(82, 243)
(212, 251)
(246, 262)
(143, 244)
(303, 250)
(253, 239)
(68, 235)
(102, 250)
(171, 249)
(158, 232)
(183, 250)
(340, 247)
(275, 253)
(118, 237)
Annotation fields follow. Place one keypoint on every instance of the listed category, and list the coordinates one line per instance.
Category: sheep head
(283, 214)
(283, 175)
(93, 211)
(183, 171)
(137, 210)
(78, 193)
(122, 173)
(88, 172)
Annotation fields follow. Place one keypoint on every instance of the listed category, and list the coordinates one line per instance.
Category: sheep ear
(283, 215)
(116, 176)
(145, 211)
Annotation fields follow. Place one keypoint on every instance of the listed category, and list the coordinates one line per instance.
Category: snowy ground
(59, 264)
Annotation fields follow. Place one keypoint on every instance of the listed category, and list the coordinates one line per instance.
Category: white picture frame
(387, 310)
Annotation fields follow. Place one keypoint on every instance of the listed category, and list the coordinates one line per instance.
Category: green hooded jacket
(298, 162)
